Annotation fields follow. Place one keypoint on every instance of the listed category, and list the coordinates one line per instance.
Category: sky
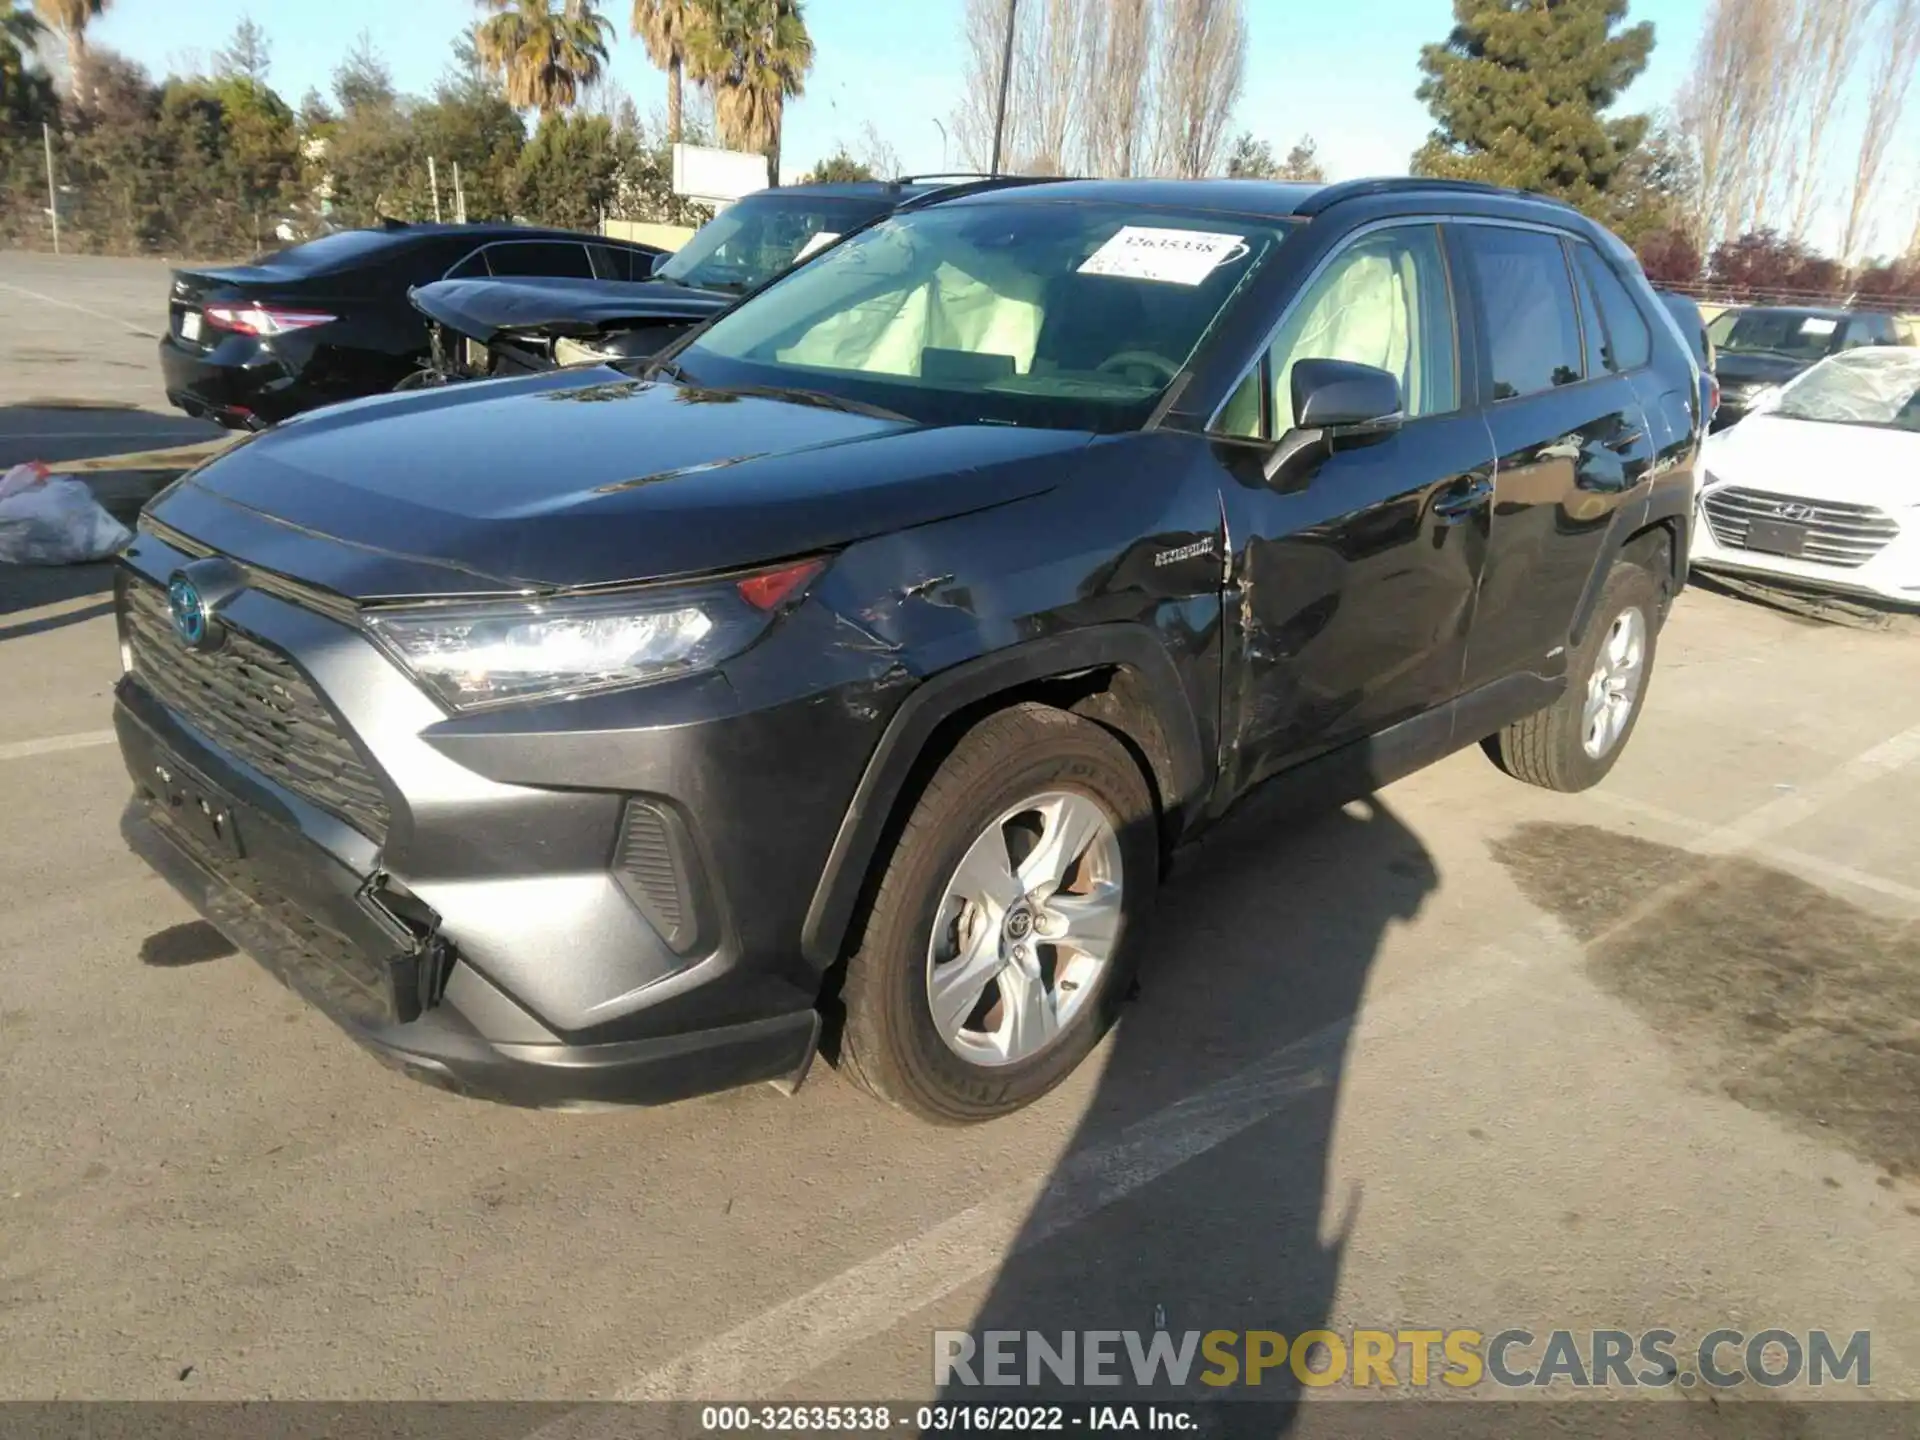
(1343, 72)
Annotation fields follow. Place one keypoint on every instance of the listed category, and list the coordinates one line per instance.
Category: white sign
(1178, 257)
(1818, 325)
(717, 176)
(818, 242)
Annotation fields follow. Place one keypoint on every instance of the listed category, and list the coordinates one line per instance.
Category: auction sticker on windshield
(1179, 257)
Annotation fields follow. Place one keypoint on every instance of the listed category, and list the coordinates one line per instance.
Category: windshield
(1041, 313)
(1790, 334)
(754, 239)
(1862, 387)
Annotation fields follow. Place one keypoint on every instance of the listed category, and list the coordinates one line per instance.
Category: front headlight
(474, 654)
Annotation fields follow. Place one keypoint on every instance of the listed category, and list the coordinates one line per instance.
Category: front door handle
(1459, 501)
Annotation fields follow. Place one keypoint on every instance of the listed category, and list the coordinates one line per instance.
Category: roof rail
(1330, 195)
(944, 175)
(974, 185)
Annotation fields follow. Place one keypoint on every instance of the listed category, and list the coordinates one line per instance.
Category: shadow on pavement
(56, 432)
(193, 943)
(93, 583)
(1222, 1084)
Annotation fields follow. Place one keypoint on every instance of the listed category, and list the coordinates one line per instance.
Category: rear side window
(561, 258)
(1533, 327)
(1629, 343)
(472, 267)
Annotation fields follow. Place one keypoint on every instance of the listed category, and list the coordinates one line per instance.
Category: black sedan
(511, 327)
(249, 345)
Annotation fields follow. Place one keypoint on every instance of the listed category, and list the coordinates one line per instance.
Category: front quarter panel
(1118, 566)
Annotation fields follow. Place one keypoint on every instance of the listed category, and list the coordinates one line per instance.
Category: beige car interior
(1362, 309)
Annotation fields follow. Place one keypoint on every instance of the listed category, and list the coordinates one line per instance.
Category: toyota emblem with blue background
(189, 611)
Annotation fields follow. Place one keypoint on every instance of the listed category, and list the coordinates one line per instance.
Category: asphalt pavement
(1466, 1055)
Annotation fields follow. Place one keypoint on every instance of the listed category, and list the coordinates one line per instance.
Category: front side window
(1384, 302)
(1043, 312)
(1533, 329)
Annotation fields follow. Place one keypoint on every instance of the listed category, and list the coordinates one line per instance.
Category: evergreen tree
(1519, 92)
(248, 54)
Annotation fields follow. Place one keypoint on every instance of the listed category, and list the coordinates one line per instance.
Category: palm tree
(22, 27)
(753, 55)
(670, 29)
(70, 18)
(547, 54)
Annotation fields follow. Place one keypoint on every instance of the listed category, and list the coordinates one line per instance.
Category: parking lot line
(52, 744)
(1785, 811)
(113, 320)
(1798, 861)
(790, 1339)
(781, 1344)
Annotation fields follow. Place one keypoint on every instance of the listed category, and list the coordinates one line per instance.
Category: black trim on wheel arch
(946, 694)
(1660, 511)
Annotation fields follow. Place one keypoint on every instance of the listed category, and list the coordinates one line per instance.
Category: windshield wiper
(824, 399)
(667, 368)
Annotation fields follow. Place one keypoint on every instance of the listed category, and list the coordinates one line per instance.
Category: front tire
(1573, 743)
(995, 954)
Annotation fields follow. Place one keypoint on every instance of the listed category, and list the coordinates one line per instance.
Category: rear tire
(1573, 743)
(1035, 839)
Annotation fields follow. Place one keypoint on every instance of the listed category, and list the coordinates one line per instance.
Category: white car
(1820, 485)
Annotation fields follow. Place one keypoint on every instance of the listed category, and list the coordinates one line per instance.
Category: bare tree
(877, 154)
(1898, 46)
(983, 28)
(1051, 63)
(1200, 66)
(1828, 38)
(1731, 116)
(1118, 102)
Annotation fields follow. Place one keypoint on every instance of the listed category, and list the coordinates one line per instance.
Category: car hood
(584, 477)
(1734, 369)
(484, 309)
(1815, 460)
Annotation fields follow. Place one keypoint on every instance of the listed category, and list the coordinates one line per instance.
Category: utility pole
(433, 183)
(53, 195)
(459, 197)
(1006, 74)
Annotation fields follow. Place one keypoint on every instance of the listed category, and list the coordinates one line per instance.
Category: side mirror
(1332, 400)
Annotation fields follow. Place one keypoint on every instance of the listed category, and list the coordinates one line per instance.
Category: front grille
(1841, 535)
(251, 702)
(306, 953)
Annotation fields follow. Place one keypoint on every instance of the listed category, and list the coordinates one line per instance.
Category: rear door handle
(1455, 504)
